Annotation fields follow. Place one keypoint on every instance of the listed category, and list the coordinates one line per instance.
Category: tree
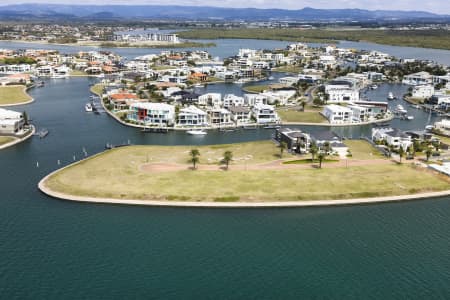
(428, 153)
(25, 118)
(194, 153)
(401, 153)
(436, 145)
(282, 146)
(321, 156)
(313, 150)
(303, 103)
(227, 158)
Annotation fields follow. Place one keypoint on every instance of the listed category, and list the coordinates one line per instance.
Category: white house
(210, 99)
(160, 114)
(280, 97)
(232, 100)
(418, 78)
(11, 122)
(192, 116)
(219, 116)
(341, 93)
(264, 113)
(337, 114)
(240, 114)
(392, 136)
(423, 91)
(254, 99)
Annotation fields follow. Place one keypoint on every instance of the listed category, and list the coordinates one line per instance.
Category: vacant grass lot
(5, 140)
(299, 116)
(255, 88)
(97, 89)
(117, 174)
(361, 149)
(10, 95)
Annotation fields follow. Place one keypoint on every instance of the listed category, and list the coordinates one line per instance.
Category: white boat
(429, 127)
(391, 96)
(88, 107)
(374, 86)
(410, 118)
(196, 132)
(271, 78)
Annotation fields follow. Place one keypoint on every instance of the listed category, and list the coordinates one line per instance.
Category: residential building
(337, 114)
(420, 78)
(159, 114)
(11, 122)
(210, 99)
(422, 91)
(192, 116)
(296, 140)
(240, 115)
(392, 137)
(264, 113)
(219, 116)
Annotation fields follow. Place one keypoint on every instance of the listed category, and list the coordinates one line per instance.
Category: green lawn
(255, 88)
(10, 95)
(78, 73)
(298, 116)
(161, 68)
(97, 89)
(117, 174)
(288, 69)
(5, 140)
(361, 149)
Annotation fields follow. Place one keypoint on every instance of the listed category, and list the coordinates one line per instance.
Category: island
(251, 174)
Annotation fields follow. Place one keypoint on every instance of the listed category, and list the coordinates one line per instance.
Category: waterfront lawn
(289, 115)
(255, 88)
(10, 95)
(78, 73)
(288, 69)
(5, 140)
(118, 174)
(97, 89)
(361, 149)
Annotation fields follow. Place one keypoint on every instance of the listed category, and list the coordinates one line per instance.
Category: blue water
(53, 249)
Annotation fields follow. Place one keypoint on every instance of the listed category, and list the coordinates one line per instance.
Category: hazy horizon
(434, 6)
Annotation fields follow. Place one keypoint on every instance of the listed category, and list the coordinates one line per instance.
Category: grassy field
(255, 88)
(163, 67)
(361, 149)
(13, 95)
(78, 73)
(298, 116)
(97, 89)
(117, 174)
(5, 140)
(439, 39)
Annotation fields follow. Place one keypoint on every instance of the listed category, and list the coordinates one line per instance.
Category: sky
(436, 6)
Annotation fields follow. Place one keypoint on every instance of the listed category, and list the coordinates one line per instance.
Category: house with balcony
(192, 116)
(264, 114)
(11, 122)
(219, 117)
(296, 140)
(241, 115)
(337, 114)
(152, 114)
(392, 137)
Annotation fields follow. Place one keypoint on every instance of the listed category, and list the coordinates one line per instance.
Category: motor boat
(391, 96)
(196, 132)
(88, 107)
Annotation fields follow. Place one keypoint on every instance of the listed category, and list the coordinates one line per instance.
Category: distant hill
(62, 11)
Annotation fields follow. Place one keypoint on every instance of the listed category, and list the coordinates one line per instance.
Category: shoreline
(31, 100)
(209, 204)
(19, 140)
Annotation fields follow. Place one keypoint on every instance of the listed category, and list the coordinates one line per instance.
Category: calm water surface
(52, 249)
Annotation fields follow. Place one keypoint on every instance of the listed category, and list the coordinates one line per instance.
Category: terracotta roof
(123, 96)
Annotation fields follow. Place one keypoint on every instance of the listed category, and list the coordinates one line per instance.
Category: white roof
(192, 110)
(9, 114)
(153, 106)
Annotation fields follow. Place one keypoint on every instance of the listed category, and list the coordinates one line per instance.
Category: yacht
(196, 132)
(391, 96)
(373, 86)
(88, 107)
(409, 118)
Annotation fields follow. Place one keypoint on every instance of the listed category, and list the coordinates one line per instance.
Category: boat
(249, 127)
(40, 84)
(409, 118)
(88, 107)
(227, 129)
(155, 130)
(415, 106)
(373, 87)
(391, 96)
(429, 127)
(271, 78)
(196, 132)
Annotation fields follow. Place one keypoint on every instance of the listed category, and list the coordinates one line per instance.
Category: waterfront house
(337, 114)
(232, 100)
(219, 116)
(296, 140)
(341, 93)
(443, 126)
(392, 137)
(159, 114)
(420, 78)
(192, 116)
(264, 113)
(329, 142)
(11, 122)
(240, 114)
(210, 99)
(122, 100)
(254, 99)
(422, 91)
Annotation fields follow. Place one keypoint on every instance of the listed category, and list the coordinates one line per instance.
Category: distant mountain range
(105, 12)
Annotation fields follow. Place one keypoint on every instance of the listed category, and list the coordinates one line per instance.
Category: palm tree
(313, 150)
(303, 103)
(194, 153)
(428, 153)
(321, 156)
(227, 158)
(401, 153)
(436, 145)
(282, 146)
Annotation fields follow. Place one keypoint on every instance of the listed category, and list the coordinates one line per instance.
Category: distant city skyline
(435, 6)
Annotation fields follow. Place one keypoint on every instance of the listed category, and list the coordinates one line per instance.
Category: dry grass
(13, 95)
(118, 174)
(5, 140)
(289, 115)
(361, 149)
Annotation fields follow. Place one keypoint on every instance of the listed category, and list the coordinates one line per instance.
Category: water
(53, 249)
(229, 47)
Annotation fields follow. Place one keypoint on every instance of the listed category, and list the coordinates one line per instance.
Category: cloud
(437, 6)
